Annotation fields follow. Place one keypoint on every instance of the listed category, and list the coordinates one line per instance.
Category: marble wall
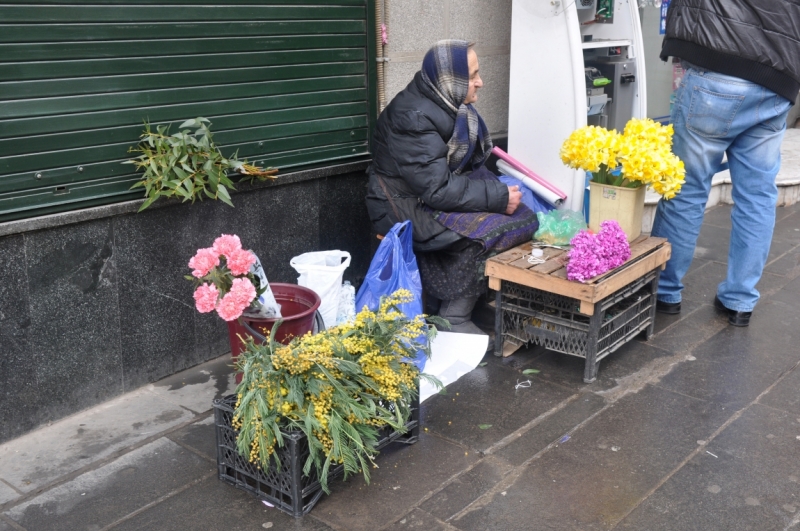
(95, 308)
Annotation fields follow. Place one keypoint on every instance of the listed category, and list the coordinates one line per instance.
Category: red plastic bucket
(298, 306)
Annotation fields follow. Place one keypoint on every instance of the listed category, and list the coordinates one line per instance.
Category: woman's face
(475, 81)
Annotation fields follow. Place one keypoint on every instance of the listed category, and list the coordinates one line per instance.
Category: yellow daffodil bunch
(643, 152)
(339, 387)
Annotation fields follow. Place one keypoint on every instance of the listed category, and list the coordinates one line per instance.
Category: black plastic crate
(531, 315)
(288, 489)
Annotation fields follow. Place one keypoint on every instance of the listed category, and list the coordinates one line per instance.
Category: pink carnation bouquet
(594, 254)
(223, 278)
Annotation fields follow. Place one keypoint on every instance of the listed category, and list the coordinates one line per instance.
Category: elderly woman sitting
(429, 150)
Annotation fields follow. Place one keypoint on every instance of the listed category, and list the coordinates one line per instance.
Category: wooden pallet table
(536, 303)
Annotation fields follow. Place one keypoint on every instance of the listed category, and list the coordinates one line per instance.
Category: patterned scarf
(445, 70)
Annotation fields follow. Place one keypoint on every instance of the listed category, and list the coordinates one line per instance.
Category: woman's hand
(514, 197)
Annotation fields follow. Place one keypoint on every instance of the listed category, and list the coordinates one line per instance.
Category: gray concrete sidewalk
(697, 429)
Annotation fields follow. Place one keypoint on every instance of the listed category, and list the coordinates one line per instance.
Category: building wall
(659, 73)
(414, 25)
(94, 303)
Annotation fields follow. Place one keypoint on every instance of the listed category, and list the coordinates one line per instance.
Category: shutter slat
(87, 138)
(144, 48)
(96, 102)
(39, 14)
(229, 80)
(62, 168)
(95, 120)
(12, 33)
(107, 67)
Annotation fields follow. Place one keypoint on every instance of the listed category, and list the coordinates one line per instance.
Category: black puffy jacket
(410, 162)
(756, 40)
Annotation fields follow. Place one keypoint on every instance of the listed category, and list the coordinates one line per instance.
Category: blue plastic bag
(393, 267)
(529, 198)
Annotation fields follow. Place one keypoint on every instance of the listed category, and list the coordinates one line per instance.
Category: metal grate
(555, 322)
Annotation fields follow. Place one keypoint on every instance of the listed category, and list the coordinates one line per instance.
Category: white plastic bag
(322, 272)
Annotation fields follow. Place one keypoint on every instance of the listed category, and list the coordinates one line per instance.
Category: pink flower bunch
(215, 294)
(594, 254)
(242, 293)
(203, 262)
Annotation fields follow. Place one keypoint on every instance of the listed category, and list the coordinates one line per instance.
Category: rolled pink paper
(527, 172)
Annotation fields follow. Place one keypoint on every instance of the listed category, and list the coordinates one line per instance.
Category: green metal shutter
(287, 83)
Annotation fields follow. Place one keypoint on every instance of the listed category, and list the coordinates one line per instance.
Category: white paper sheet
(452, 356)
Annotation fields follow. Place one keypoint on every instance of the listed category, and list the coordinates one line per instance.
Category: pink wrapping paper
(527, 172)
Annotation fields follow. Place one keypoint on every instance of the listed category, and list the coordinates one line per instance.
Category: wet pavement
(696, 429)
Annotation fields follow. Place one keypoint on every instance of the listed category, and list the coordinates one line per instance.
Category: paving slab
(99, 498)
(750, 481)
(196, 388)
(551, 429)
(201, 436)
(712, 243)
(406, 474)
(521, 359)
(664, 321)
(785, 395)
(7, 494)
(466, 488)
(787, 229)
(701, 285)
(737, 364)
(5, 526)
(719, 216)
(697, 323)
(487, 396)
(418, 520)
(734, 385)
(41, 457)
(567, 371)
(787, 265)
(789, 295)
(601, 473)
(214, 505)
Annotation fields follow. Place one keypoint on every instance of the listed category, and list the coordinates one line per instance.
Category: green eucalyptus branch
(186, 164)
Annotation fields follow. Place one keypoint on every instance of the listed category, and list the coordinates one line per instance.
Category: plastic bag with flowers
(643, 152)
(339, 387)
(231, 281)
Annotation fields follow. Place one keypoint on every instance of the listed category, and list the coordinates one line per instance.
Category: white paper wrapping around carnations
(452, 356)
(541, 191)
(268, 307)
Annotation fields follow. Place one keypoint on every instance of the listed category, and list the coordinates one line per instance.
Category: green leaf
(179, 172)
(530, 371)
(148, 202)
(484, 426)
(224, 196)
(483, 364)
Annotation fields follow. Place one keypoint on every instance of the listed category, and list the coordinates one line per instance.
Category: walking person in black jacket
(429, 150)
(742, 74)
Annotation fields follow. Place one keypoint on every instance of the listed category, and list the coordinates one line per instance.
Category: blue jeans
(716, 114)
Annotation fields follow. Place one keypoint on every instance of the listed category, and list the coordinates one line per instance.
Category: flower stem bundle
(339, 387)
(642, 154)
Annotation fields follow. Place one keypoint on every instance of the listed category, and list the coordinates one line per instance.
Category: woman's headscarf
(445, 70)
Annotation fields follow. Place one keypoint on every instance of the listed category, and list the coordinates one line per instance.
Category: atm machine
(573, 63)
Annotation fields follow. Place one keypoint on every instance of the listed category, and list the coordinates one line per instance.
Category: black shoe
(735, 318)
(669, 308)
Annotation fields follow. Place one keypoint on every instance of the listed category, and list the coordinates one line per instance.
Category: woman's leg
(452, 276)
